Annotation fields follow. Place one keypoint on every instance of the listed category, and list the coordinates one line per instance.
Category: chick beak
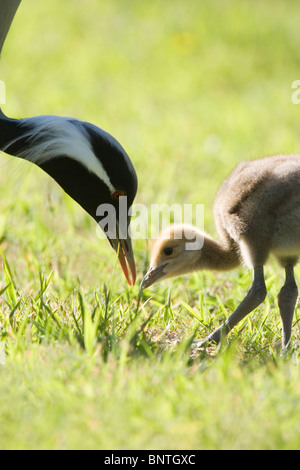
(153, 275)
(123, 248)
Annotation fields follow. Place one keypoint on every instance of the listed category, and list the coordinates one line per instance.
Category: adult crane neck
(10, 132)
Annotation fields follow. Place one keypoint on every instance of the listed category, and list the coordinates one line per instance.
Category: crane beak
(123, 248)
(126, 260)
(153, 275)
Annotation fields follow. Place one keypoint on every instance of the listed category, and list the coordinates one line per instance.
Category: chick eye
(117, 194)
(168, 251)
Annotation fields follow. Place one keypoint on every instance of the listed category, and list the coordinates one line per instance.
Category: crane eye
(117, 194)
(168, 251)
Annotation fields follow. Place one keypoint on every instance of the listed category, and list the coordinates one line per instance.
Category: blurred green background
(188, 88)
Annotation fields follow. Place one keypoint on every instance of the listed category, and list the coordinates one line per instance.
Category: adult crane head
(87, 162)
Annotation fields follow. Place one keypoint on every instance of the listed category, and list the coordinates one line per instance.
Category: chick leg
(287, 299)
(253, 299)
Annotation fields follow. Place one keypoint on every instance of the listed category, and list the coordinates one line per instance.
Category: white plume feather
(53, 136)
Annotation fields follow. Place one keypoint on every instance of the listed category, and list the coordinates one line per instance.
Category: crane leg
(287, 299)
(253, 299)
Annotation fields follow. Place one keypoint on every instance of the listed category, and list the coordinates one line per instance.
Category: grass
(189, 90)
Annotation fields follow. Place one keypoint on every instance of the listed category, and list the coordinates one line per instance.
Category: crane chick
(257, 213)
